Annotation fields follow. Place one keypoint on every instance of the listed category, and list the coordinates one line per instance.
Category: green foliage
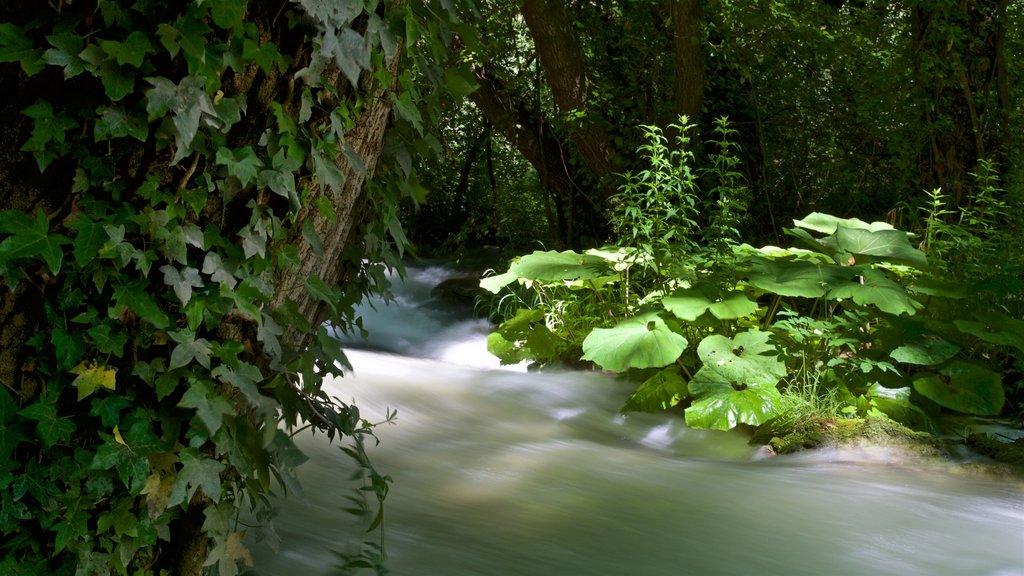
(853, 320)
(190, 147)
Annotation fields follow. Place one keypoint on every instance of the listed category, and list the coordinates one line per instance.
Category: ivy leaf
(659, 392)
(10, 431)
(349, 51)
(67, 346)
(16, 47)
(189, 349)
(209, 406)
(131, 52)
(88, 240)
(227, 555)
(196, 472)
(50, 428)
(115, 123)
(246, 378)
(65, 53)
(644, 341)
(243, 163)
(48, 132)
(218, 271)
(141, 302)
(30, 238)
(182, 282)
(92, 376)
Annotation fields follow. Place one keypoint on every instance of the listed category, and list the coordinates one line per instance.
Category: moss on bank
(901, 444)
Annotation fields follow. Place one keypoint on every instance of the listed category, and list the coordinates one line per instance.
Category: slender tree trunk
(688, 48)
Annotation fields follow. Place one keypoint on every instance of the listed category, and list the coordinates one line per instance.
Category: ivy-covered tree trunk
(185, 206)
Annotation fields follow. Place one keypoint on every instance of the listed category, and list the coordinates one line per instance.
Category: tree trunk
(566, 71)
(688, 48)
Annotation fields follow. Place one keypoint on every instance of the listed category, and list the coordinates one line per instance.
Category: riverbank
(883, 439)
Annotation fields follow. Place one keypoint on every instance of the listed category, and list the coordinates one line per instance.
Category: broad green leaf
(932, 286)
(689, 303)
(721, 404)
(963, 386)
(494, 284)
(827, 224)
(659, 392)
(747, 358)
(552, 266)
(643, 341)
(995, 328)
(873, 288)
(882, 245)
(927, 350)
(796, 277)
(92, 376)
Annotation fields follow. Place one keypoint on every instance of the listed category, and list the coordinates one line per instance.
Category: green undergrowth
(850, 320)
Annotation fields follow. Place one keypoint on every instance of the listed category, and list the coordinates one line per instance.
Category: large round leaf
(797, 277)
(872, 288)
(827, 223)
(721, 405)
(689, 303)
(640, 342)
(742, 359)
(995, 328)
(551, 265)
(659, 392)
(927, 350)
(964, 387)
(881, 245)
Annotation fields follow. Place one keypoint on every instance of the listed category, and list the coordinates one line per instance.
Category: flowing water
(502, 472)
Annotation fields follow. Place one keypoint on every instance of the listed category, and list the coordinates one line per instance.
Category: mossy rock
(1009, 453)
(813, 433)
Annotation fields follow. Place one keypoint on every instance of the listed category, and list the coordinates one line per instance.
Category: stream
(502, 472)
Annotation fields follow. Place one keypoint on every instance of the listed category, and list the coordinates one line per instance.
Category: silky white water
(503, 472)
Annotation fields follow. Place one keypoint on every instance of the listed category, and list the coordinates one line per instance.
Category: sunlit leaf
(689, 303)
(875, 289)
(551, 266)
(722, 404)
(643, 341)
(92, 376)
(746, 358)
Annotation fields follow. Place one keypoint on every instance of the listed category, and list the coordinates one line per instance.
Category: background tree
(190, 195)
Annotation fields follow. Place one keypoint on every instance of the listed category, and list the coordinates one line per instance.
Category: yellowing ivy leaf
(92, 376)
